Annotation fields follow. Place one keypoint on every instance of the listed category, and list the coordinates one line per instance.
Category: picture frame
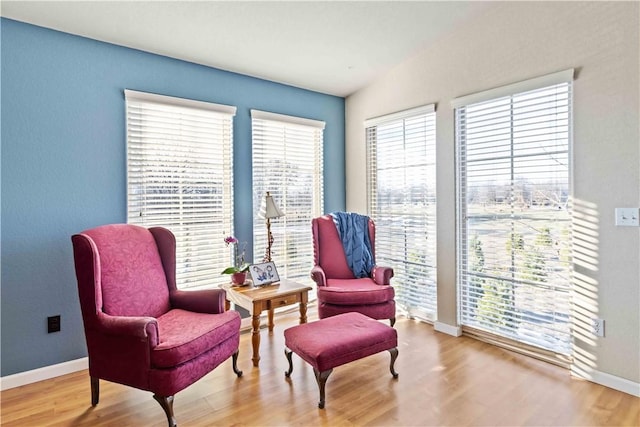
(264, 274)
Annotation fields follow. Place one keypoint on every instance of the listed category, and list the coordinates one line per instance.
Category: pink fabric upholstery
(338, 289)
(340, 339)
(374, 311)
(329, 249)
(185, 335)
(131, 272)
(140, 329)
(354, 291)
(165, 382)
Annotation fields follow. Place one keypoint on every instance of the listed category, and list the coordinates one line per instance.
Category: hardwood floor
(444, 381)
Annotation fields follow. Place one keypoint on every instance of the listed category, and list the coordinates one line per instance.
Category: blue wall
(63, 165)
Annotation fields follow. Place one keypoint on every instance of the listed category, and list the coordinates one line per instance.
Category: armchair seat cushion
(354, 292)
(184, 335)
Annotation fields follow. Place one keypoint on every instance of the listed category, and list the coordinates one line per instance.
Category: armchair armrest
(140, 328)
(120, 348)
(201, 301)
(317, 274)
(382, 275)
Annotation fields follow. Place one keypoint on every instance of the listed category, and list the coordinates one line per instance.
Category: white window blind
(514, 216)
(287, 162)
(401, 187)
(180, 176)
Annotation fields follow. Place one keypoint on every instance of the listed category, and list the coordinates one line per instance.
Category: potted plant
(238, 270)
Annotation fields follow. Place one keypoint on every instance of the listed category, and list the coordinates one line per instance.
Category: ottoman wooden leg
(321, 378)
(287, 353)
(394, 356)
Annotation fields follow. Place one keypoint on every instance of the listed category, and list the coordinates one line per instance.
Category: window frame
(415, 270)
(276, 137)
(560, 354)
(170, 144)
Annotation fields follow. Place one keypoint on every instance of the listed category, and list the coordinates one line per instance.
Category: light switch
(628, 217)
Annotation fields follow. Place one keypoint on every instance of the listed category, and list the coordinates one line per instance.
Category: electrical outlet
(53, 324)
(598, 327)
(628, 217)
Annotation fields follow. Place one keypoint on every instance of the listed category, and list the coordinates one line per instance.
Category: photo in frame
(264, 274)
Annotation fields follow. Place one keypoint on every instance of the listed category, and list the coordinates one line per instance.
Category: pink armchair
(140, 329)
(339, 291)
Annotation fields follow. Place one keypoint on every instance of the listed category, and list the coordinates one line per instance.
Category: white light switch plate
(628, 217)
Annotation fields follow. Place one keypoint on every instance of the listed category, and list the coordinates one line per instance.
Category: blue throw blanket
(353, 230)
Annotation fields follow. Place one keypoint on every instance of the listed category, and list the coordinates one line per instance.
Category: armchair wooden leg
(392, 321)
(234, 359)
(95, 391)
(167, 405)
(394, 356)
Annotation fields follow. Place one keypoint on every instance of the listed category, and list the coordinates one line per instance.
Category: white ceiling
(334, 47)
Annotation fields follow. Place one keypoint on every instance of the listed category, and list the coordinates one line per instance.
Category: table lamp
(271, 211)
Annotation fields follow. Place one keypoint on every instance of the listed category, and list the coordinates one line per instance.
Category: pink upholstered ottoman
(336, 340)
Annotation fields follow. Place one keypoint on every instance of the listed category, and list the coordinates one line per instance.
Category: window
(401, 188)
(514, 216)
(287, 162)
(180, 176)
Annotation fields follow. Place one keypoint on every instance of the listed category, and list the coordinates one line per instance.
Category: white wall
(514, 41)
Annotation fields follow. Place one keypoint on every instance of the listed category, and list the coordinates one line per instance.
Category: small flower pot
(238, 278)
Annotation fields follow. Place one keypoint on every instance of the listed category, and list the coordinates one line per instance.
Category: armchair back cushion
(132, 277)
(328, 249)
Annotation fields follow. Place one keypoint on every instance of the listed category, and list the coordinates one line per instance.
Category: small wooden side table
(257, 299)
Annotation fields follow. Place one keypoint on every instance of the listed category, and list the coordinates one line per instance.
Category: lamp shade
(271, 210)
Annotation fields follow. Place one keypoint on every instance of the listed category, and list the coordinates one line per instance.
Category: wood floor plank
(443, 381)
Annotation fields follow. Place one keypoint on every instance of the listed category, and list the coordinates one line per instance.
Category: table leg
(255, 336)
(270, 316)
(303, 307)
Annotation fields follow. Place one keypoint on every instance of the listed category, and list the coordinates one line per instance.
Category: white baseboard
(455, 331)
(44, 373)
(621, 384)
